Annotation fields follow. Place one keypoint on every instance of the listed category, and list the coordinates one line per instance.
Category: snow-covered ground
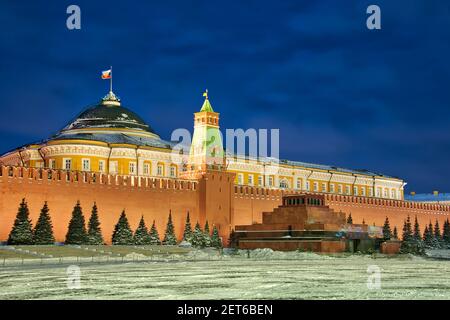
(266, 275)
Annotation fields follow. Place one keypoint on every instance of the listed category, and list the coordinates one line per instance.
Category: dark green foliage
(94, 231)
(76, 232)
(187, 235)
(22, 230)
(417, 236)
(350, 219)
(216, 242)
(428, 236)
(122, 234)
(387, 230)
(409, 243)
(169, 236)
(154, 235)
(43, 231)
(207, 235)
(407, 230)
(437, 241)
(446, 234)
(141, 236)
(395, 233)
(198, 237)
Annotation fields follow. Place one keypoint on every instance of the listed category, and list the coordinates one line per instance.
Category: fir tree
(187, 235)
(215, 239)
(207, 235)
(154, 235)
(407, 230)
(76, 233)
(387, 230)
(416, 234)
(198, 237)
(94, 231)
(428, 236)
(395, 233)
(169, 236)
(122, 234)
(437, 241)
(22, 230)
(141, 236)
(350, 219)
(43, 231)
(446, 234)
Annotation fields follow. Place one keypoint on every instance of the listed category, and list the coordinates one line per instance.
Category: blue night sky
(339, 93)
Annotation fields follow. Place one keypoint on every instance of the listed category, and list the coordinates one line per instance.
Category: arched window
(284, 184)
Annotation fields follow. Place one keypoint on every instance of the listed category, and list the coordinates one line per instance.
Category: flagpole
(110, 81)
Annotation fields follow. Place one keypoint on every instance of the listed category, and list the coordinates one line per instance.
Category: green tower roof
(206, 105)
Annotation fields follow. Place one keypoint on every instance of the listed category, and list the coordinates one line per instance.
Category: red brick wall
(153, 199)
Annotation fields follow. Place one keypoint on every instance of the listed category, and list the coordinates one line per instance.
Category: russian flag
(106, 74)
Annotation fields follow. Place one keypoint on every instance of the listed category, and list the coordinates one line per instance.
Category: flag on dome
(106, 74)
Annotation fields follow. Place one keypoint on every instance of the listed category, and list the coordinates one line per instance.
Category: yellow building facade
(109, 138)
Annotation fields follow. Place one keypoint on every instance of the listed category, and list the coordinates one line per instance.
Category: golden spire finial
(205, 94)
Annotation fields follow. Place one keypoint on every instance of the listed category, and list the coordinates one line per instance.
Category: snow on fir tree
(154, 235)
(350, 219)
(76, 232)
(43, 230)
(387, 230)
(446, 234)
(428, 236)
(94, 232)
(198, 237)
(22, 230)
(437, 240)
(169, 235)
(207, 235)
(409, 243)
(216, 242)
(141, 236)
(187, 235)
(122, 234)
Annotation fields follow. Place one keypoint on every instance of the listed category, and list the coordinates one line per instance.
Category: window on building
(355, 190)
(385, 193)
(340, 188)
(173, 171)
(299, 184)
(250, 179)
(132, 167)
(260, 181)
(270, 181)
(52, 164)
(379, 192)
(393, 194)
(113, 167)
(315, 186)
(307, 186)
(240, 178)
(101, 166)
(324, 187)
(371, 192)
(160, 170)
(347, 189)
(363, 191)
(332, 188)
(284, 184)
(146, 169)
(67, 164)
